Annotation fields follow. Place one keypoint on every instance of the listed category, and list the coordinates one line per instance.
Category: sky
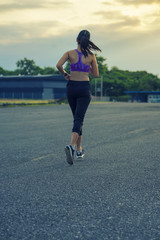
(127, 31)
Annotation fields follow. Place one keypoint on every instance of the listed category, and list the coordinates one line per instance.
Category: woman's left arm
(60, 63)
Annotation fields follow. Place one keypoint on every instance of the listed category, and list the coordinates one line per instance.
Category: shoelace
(79, 153)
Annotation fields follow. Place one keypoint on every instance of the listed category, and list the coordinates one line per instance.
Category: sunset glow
(109, 21)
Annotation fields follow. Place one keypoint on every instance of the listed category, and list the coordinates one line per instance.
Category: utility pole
(95, 87)
(101, 87)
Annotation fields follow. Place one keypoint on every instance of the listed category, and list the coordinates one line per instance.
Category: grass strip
(27, 102)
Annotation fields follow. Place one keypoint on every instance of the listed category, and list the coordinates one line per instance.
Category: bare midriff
(79, 76)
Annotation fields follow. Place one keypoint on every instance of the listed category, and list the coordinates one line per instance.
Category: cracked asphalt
(113, 194)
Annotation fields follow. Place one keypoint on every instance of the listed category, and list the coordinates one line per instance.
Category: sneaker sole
(69, 157)
(80, 157)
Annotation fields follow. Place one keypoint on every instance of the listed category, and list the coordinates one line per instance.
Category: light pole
(95, 87)
(99, 89)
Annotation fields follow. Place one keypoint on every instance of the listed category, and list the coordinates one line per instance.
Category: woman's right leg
(79, 143)
(74, 139)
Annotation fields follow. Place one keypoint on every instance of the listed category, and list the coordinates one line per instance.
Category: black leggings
(79, 97)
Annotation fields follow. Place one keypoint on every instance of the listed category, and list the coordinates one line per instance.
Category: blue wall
(32, 87)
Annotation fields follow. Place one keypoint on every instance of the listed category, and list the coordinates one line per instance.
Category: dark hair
(85, 44)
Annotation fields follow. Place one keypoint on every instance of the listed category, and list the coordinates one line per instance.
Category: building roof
(35, 78)
(142, 92)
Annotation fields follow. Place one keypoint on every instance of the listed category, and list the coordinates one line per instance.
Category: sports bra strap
(79, 55)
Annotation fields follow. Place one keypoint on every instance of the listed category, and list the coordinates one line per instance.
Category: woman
(82, 61)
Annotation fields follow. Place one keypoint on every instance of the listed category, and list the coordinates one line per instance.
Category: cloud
(125, 23)
(138, 2)
(132, 50)
(5, 7)
(118, 21)
(127, 32)
(131, 18)
(25, 32)
(15, 6)
(45, 51)
(112, 41)
(126, 50)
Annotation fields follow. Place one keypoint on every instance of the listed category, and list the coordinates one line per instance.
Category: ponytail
(85, 44)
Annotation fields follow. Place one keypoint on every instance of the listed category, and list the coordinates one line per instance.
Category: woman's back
(79, 65)
(74, 57)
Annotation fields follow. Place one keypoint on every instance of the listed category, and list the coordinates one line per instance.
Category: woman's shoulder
(71, 51)
(91, 55)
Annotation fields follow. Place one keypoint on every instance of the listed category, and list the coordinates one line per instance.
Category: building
(144, 96)
(33, 87)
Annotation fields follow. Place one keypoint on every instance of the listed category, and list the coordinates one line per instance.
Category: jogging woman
(82, 61)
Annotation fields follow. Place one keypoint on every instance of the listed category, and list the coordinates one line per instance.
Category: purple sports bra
(79, 66)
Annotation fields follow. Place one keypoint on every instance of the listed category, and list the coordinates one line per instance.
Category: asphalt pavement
(112, 194)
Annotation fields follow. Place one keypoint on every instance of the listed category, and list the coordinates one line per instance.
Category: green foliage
(28, 67)
(115, 81)
(2, 71)
(102, 66)
(67, 67)
(49, 71)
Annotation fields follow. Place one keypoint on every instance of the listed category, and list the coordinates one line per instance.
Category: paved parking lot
(113, 194)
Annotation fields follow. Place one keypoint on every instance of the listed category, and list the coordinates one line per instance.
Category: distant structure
(144, 96)
(33, 87)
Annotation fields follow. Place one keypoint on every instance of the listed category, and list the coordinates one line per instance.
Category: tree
(27, 67)
(102, 66)
(49, 70)
(67, 67)
(115, 81)
(2, 71)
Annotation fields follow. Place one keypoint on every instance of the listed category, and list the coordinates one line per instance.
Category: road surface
(113, 194)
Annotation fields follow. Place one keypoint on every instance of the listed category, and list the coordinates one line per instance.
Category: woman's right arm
(94, 67)
(60, 63)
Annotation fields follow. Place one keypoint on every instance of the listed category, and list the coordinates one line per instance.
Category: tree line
(115, 80)
(28, 67)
